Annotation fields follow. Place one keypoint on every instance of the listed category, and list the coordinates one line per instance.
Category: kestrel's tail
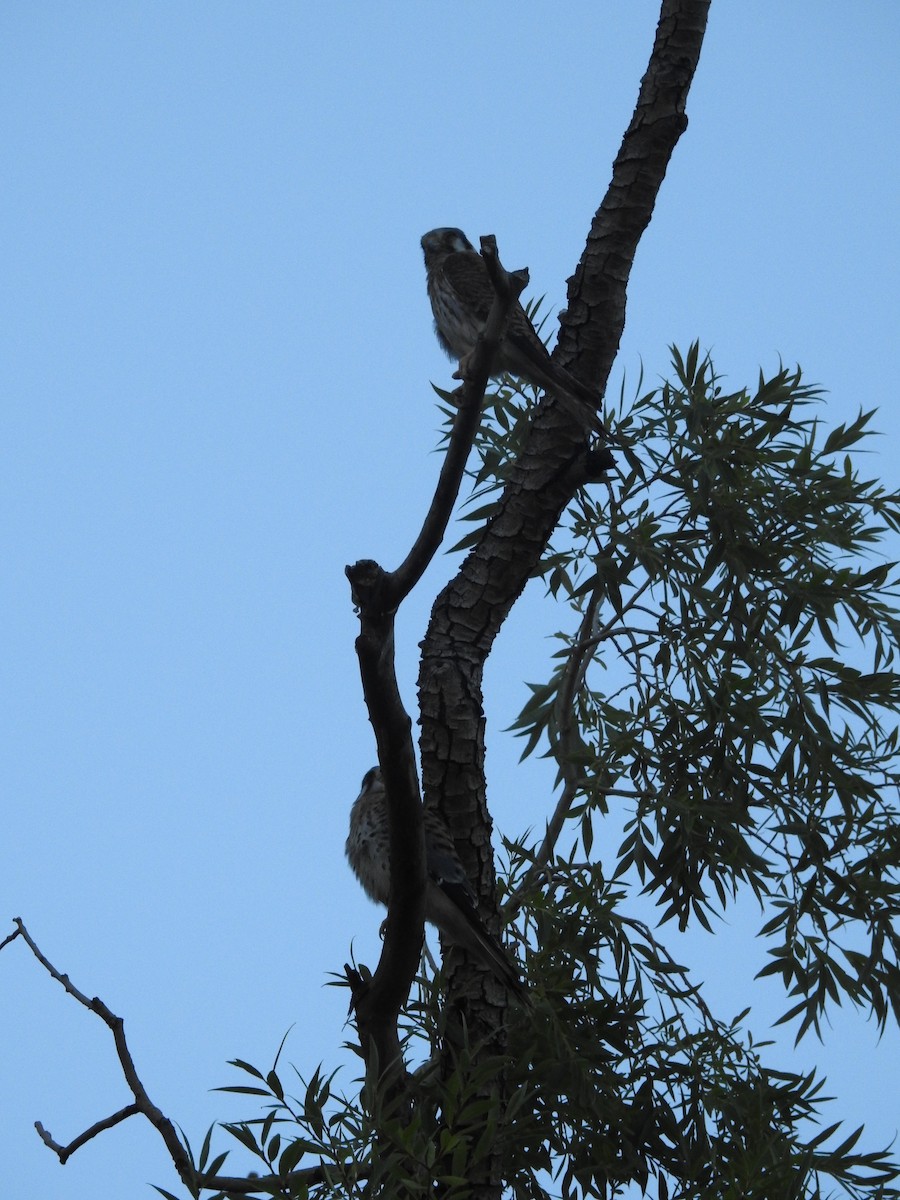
(462, 925)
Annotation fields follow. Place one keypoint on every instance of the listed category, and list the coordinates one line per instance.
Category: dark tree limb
(144, 1106)
(142, 1102)
(377, 594)
(469, 612)
(378, 1005)
(65, 1152)
(591, 328)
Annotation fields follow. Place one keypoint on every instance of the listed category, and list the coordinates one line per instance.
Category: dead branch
(143, 1105)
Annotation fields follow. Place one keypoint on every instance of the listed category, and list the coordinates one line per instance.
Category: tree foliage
(743, 638)
(720, 591)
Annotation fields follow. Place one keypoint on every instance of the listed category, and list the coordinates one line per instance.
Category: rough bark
(469, 612)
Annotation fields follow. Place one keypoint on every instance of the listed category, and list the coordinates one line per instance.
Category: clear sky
(216, 355)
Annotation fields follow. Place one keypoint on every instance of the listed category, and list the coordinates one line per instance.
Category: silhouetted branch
(64, 1152)
(143, 1105)
(142, 1102)
(378, 1005)
(377, 595)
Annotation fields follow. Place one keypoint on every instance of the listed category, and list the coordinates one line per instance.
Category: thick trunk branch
(554, 463)
(469, 612)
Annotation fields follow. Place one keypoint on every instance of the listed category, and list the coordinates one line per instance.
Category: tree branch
(591, 327)
(377, 594)
(469, 612)
(143, 1105)
(64, 1152)
(142, 1102)
(378, 1005)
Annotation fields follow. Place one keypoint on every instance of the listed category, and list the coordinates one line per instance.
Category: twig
(11, 938)
(144, 1106)
(64, 1152)
(142, 1102)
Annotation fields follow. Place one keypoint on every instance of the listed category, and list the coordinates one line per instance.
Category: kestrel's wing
(467, 275)
(444, 868)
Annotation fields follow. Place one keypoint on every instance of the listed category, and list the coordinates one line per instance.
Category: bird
(461, 295)
(449, 899)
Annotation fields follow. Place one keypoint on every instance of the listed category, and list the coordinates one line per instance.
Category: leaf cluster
(634, 1083)
(733, 679)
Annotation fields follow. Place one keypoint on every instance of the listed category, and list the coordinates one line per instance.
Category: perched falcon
(449, 900)
(461, 294)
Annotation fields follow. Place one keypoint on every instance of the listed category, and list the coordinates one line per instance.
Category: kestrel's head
(372, 781)
(438, 243)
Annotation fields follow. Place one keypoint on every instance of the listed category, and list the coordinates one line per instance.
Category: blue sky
(216, 355)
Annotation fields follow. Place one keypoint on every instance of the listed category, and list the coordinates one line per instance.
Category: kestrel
(461, 295)
(449, 900)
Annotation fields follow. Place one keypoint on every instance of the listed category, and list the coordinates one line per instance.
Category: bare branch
(378, 594)
(378, 1005)
(144, 1106)
(591, 327)
(64, 1152)
(10, 938)
(142, 1102)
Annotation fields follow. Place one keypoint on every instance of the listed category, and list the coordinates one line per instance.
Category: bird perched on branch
(461, 295)
(449, 899)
